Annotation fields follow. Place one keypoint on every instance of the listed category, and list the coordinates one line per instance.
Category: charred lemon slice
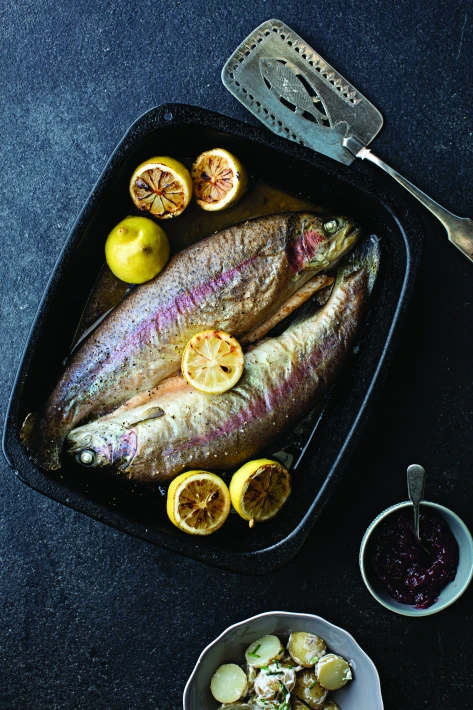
(259, 489)
(219, 179)
(161, 186)
(198, 502)
(212, 361)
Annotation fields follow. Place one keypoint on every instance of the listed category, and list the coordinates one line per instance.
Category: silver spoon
(416, 486)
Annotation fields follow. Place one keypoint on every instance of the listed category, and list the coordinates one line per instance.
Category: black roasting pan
(182, 130)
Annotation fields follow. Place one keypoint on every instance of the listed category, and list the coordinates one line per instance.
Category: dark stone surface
(93, 618)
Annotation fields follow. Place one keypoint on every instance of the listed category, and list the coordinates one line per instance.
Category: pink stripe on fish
(190, 299)
(262, 404)
(181, 304)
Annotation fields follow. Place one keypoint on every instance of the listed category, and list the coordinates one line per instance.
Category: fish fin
(302, 313)
(172, 383)
(151, 413)
(283, 314)
(29, 431)
(312, 306)
(81, 335)
(45, 455)
(322, 296)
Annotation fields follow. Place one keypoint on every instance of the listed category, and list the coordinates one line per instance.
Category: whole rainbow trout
(232, 281)
(180, 428)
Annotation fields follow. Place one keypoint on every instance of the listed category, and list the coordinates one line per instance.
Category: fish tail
(371, 255)
(365, 256)
(43, 450)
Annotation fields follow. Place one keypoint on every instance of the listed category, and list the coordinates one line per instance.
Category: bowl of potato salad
(283, 661)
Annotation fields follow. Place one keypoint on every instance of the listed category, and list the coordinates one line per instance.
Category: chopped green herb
(283, 688)
(254, 654)
(313, 685)
(315, 658)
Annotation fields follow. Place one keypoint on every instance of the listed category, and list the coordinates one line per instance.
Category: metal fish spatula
(296, 94)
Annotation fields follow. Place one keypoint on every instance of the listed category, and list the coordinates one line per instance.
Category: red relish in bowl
(410, 574)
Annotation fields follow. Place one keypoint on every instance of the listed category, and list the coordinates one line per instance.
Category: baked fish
(233, 281)
(178, 428)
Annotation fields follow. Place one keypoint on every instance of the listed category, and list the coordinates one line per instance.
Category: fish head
(317, 242)
(102, 444)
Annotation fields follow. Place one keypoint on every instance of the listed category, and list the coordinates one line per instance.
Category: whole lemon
(136, 250)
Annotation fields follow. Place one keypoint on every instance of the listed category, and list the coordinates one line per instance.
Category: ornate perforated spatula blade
(289, 87)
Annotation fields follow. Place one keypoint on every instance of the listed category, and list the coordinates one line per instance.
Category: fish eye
(86, 457)
(331, 226)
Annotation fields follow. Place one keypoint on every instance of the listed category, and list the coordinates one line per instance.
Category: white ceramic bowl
(452, 591)
(363, 692)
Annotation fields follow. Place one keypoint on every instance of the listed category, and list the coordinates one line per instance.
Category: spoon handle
(415, 486)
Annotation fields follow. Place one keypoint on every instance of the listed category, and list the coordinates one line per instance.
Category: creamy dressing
(274, 684)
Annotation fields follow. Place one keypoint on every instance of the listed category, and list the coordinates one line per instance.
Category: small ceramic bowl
(451, 592)
(364, 692)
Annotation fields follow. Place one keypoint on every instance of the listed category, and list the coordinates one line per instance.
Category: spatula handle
(459, 229)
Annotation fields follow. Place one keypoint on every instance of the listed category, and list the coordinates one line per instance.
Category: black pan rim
(275, 556)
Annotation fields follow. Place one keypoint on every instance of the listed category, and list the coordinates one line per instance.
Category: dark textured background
(92, 618)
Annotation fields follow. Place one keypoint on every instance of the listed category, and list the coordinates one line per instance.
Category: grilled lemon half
(219, 179)
(259, 489)
(161, 186)
(198, 502)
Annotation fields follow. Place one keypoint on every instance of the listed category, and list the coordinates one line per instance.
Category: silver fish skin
(232, 281)
(284, 377)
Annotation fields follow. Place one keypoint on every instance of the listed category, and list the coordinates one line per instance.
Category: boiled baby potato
(264, 651)
(228, 683)
(298, 704)
(235, 706)
(273, 681)
(333, 672)
(251, 673)
(309, 690)
(305, 648)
